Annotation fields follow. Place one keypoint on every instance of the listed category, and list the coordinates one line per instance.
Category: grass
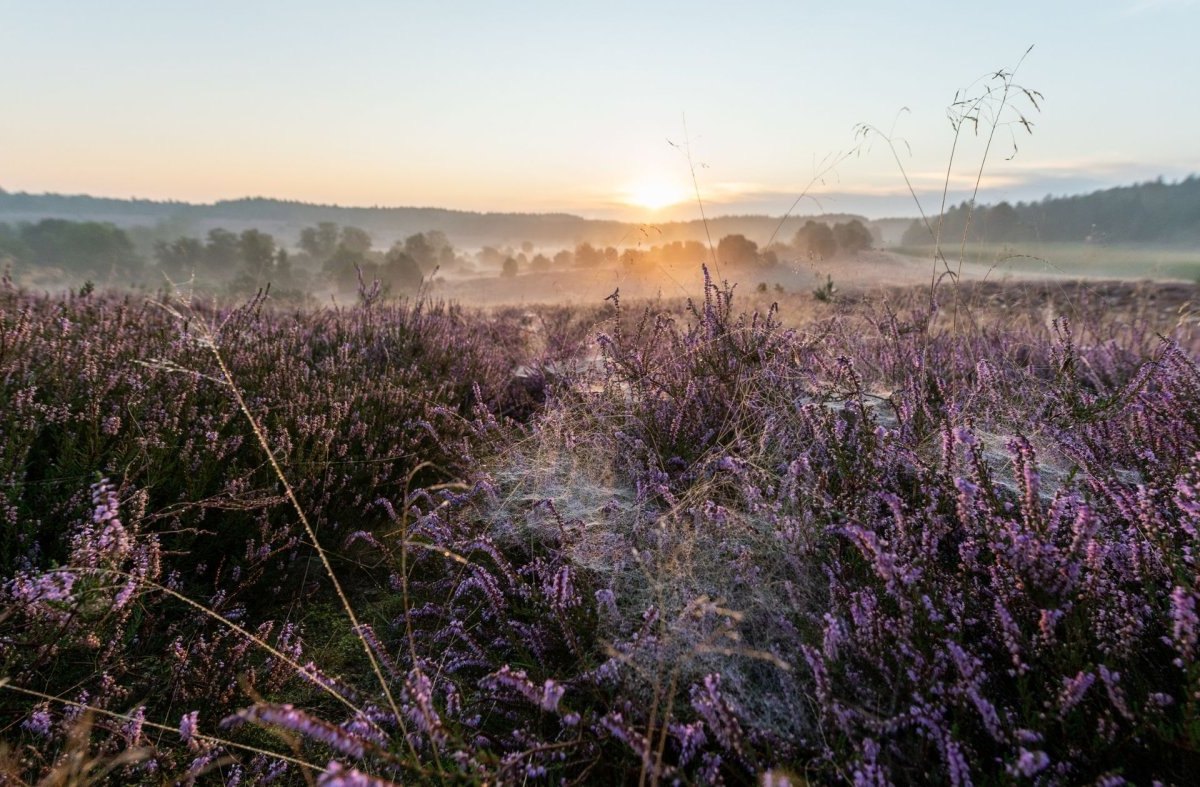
(1074, 260)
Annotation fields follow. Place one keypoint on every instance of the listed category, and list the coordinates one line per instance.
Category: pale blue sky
(533, 106)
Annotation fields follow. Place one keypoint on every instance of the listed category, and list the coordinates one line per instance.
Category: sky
(593, 107)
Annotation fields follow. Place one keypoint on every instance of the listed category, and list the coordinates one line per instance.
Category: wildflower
(26, 589)
(39, 722)
(561, 590)
(338, 775)
(418, 691)
(716, 711)
(291, 718)
(1185, 627)
(132, 729)
(1029, 763)
(1073, 691)
(187, 728)
(552, 692)
(607, 600)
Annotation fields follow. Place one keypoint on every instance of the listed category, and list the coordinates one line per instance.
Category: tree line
(234, 263)
(1151, 212)
(469, 228)
(78, 249)
(814, 240)
(342, 257)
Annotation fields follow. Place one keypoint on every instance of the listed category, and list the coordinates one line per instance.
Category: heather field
(872, 539)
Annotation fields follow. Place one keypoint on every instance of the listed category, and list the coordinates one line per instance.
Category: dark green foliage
(320, 241)
(400, 272)
(852, 237)
(1152, 212)
(738, 251)
(815, 240)
(180, 258)
(86, 248)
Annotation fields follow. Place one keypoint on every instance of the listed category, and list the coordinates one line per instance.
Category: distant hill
(1153, 212)
(285, 219)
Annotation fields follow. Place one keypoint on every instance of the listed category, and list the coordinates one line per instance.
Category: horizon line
(171, 201)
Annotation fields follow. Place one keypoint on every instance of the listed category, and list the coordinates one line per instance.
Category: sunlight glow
(653, 194)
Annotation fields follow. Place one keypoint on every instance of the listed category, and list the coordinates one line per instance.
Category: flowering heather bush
(354, 404)
(867, 548)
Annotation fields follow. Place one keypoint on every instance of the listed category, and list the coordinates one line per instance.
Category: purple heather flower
(110, 426)
(132, 729)
(710, 768)
(39, 722)
(716, 711)
(418, 690)
(28, 589)
(1185, 627)
(691, 739)
(561, 590)
(552, 692)
(1029, 763)
(607, 600)
(291, 718)
(774, 779)
(187, 728)
(960, 769)
(338, 775)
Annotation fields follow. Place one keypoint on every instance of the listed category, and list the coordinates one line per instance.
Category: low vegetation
(672, 543)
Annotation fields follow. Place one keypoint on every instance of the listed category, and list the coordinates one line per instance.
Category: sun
(653, 194)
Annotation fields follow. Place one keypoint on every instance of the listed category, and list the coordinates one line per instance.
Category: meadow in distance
(786, 501)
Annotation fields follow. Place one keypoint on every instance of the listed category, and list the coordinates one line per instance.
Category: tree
(443, 250)
(321, 241)
(689, 252)
(490, 257)
(258, 253)
(540, 263)
(400, 271)
(222, 252)
(738, 251)
(437, 239)
(852, 237)
(82, 247)
(355, 240)
(633, 260)
(564, 259)
(588, 256)
(343, 267)
(815, 240)
(917, 234)
(422, 251)
(510, 268)
(283, 268)
(180, 258)
(1001, 223)
(11, 245)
